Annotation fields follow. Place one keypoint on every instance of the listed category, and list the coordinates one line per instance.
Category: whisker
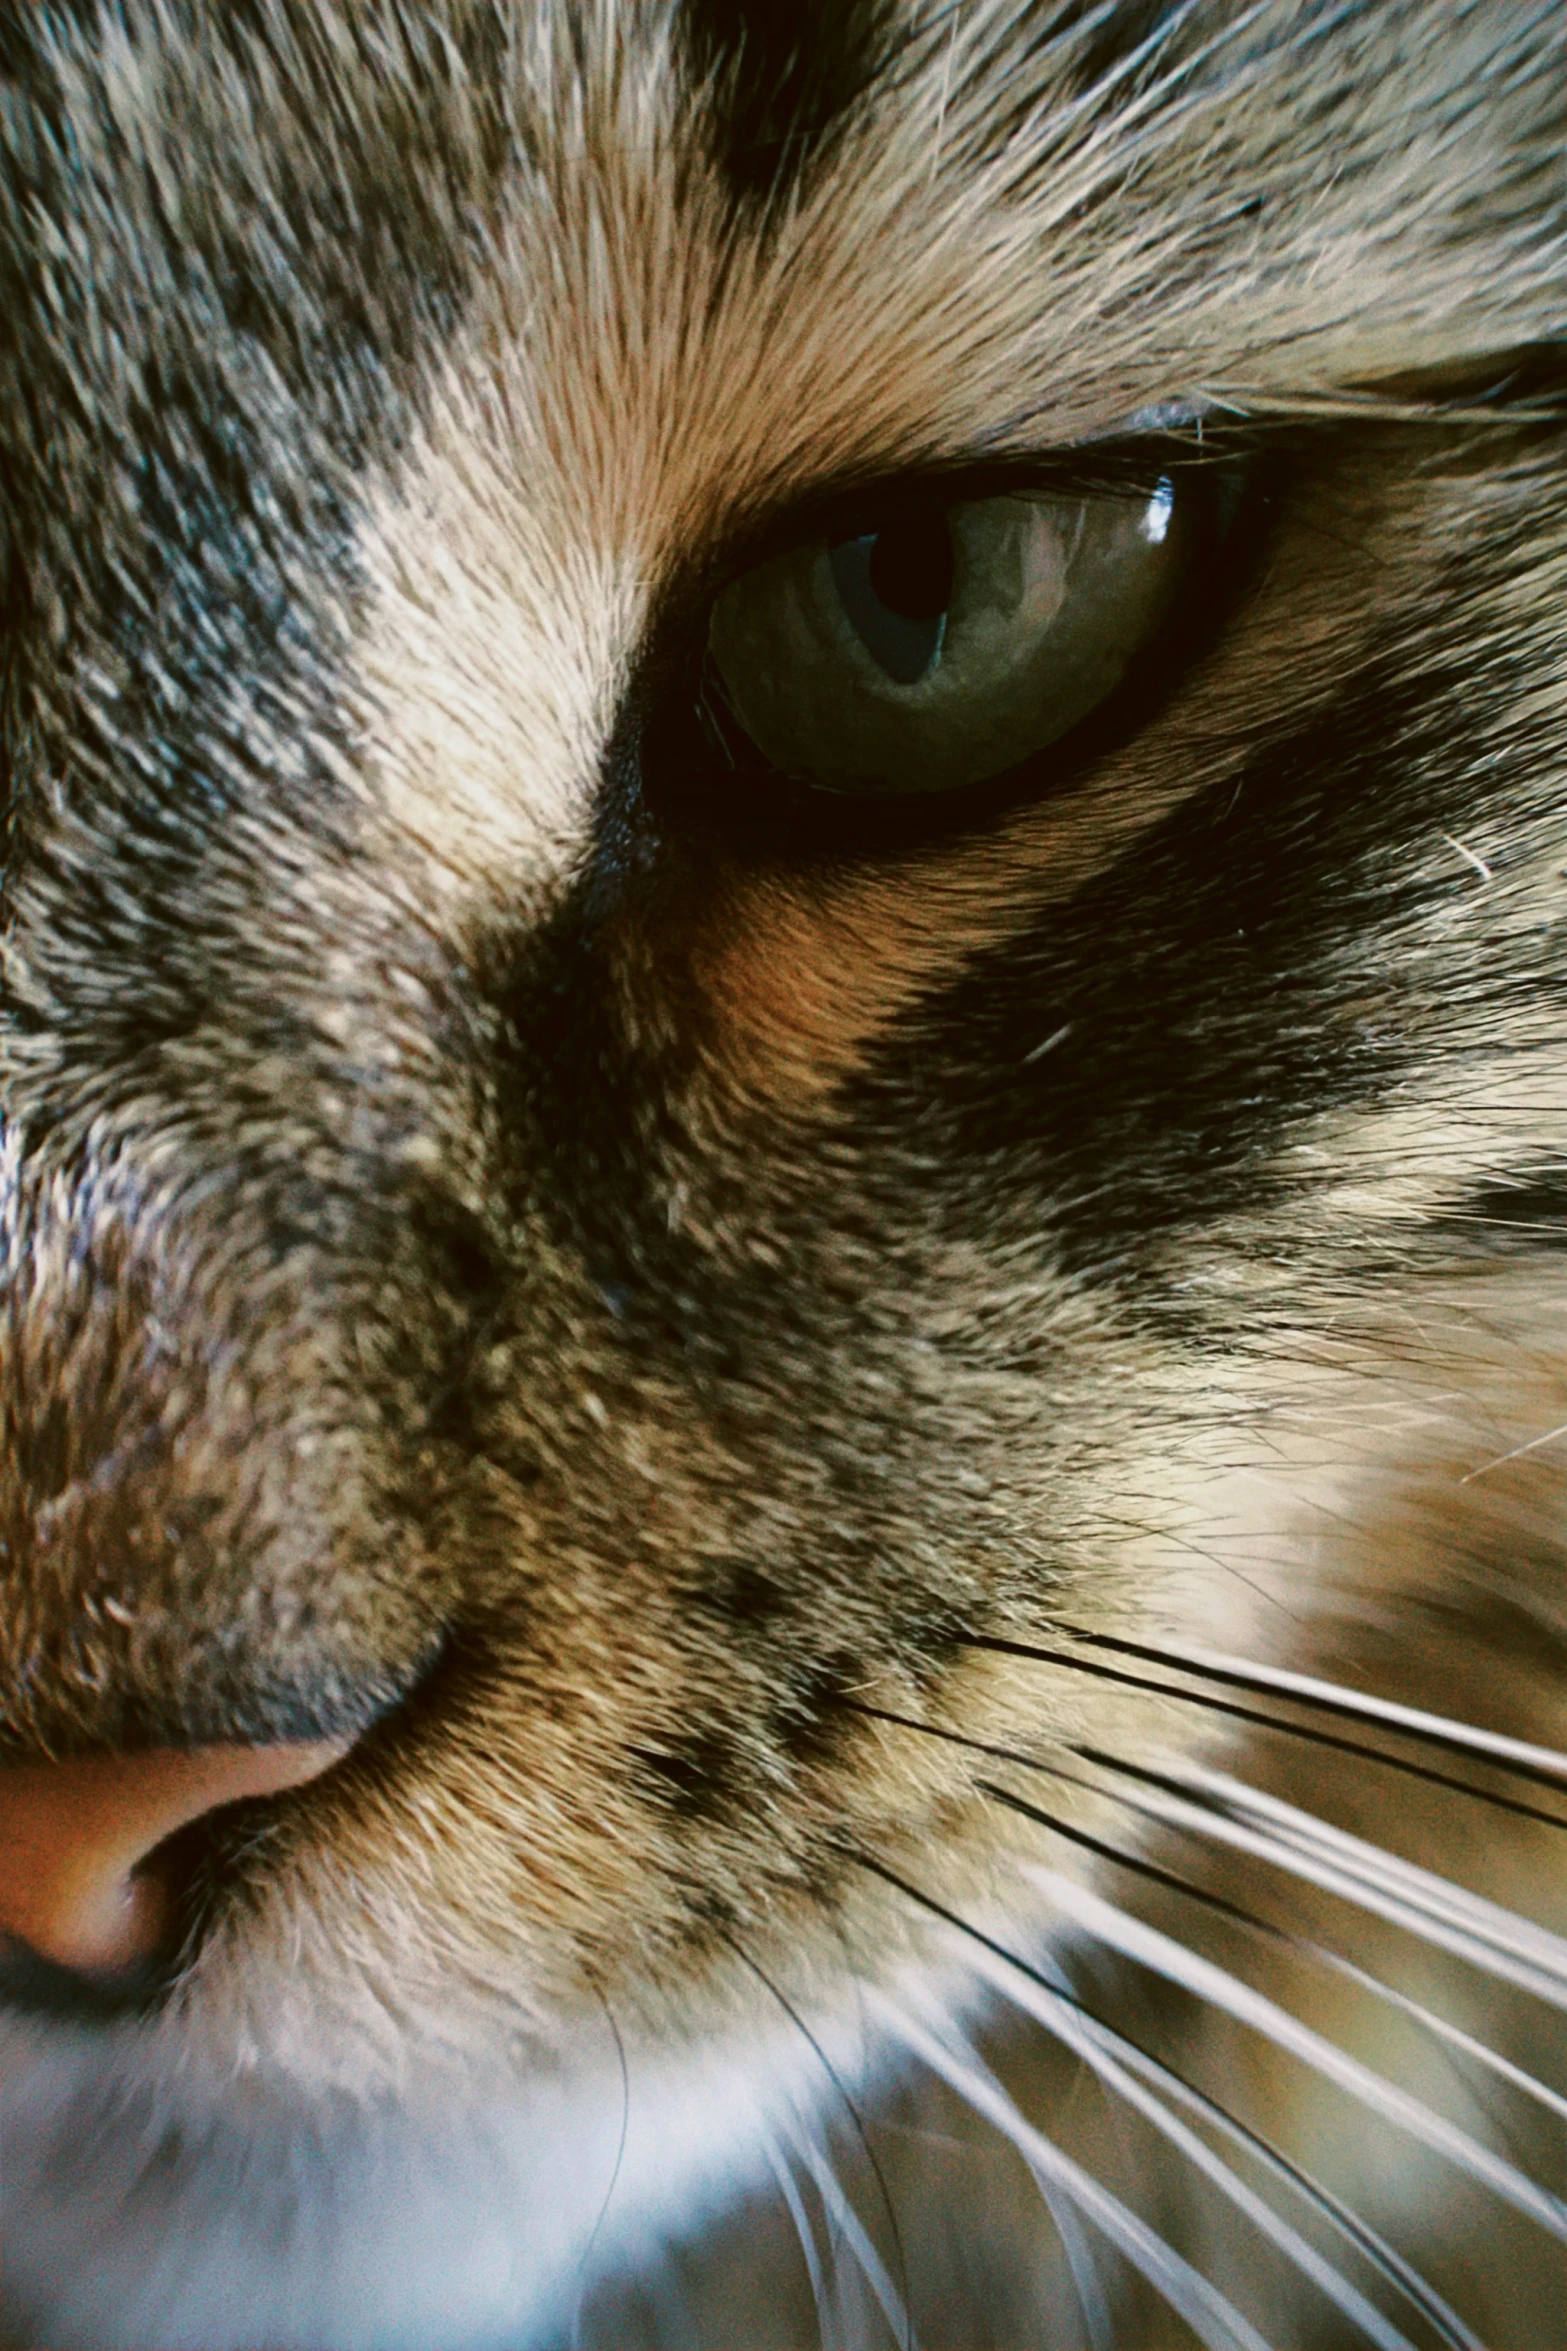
(1543, 1765)
(789, 2189)
(901, 2324)
(1212, 2317)
(1301, 1946)
(1076, 1835)
(844, 2218)
(1092, 2306)
(1345, 2297)
(1369, 2242)
(1000, 1965)
(615, 2170)
(1440, 1912)
(1258, 1717)
(1209, 1804)
(1137, 1863)
(1208, 1982)
(1206, 1824)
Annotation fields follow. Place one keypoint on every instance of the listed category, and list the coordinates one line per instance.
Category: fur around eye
(943, 643)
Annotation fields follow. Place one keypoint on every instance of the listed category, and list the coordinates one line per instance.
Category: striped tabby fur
(876, 1430)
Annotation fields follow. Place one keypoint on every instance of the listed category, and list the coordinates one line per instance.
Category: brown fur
(504, 1249)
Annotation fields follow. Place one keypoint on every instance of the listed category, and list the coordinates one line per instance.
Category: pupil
(896, 585)
(911, 565)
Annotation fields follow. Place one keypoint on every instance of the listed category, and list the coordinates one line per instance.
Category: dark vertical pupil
(911, 564)
(896, 585)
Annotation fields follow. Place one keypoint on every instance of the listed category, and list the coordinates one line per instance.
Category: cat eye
(939, 642)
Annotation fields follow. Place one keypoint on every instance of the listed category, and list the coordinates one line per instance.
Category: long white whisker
(1208, 1982)
(1092, 2304)
(831, 2072)
(1338, 1698)
(1114, 2058)
(1317, 1860)
(1095, 2050)
(1093, 2308)
(1490, 2060)
(853, 2231)
(1216, 1828)
(1211, 2316)
(1439, 2027)
(789, 2189)
(1436, 1908)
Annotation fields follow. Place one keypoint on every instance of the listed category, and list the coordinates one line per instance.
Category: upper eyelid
(1121, 463)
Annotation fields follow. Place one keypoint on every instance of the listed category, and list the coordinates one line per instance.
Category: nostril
(74, 1834)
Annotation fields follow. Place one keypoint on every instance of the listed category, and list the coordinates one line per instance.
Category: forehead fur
(646, 369)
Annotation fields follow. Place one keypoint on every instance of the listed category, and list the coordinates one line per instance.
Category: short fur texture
(659, 1320)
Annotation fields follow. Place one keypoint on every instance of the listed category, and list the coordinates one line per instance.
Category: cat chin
(160, 2193)
(142, 2212)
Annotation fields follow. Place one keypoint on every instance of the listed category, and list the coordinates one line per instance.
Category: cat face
(783, 825)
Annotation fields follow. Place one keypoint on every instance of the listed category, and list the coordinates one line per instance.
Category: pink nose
(74, 1837)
